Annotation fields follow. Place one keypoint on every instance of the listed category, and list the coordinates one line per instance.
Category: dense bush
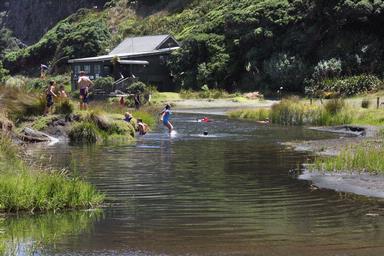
(347, 86)
(104, 83)
(236, 45)
(327, 69)
(285, 71)
(80, 35)
(64, 106)
(3, 73)
(137, 87)
(84, 132)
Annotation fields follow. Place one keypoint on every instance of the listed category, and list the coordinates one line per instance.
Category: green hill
(236, 45)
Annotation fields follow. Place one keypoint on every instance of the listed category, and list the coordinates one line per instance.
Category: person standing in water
(84, 84)
(165, 116)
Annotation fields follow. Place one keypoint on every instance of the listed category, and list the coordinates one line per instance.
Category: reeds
(364, 158)
(25, 189)
(295, 112)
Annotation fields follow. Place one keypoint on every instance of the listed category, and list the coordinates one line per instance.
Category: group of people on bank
(84, 84)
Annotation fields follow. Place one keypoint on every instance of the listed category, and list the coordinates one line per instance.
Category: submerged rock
(30, 135)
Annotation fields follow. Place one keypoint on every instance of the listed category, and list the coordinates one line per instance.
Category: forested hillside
(237, 45)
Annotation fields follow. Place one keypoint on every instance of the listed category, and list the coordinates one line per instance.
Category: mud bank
(365, 184)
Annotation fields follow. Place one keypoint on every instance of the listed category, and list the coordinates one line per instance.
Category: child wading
(49, 96)
(142, 127)
(165, 116)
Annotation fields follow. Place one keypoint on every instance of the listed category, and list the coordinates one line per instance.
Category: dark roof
(141, 44)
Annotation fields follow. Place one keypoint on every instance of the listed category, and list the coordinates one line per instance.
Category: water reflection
(228, 194)
(30, 235)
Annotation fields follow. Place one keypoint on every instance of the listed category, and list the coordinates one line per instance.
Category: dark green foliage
(201, 60)
(334, 106)
(80, 35)
(3, 73)
(137, 87)
(365, 103)
(235, 45)
(64, 106)
(104, 83)
(347, 86)
(84, 132)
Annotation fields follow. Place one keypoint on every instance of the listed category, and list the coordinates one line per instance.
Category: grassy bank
(26, 189)
(364, 158)
(295, 112)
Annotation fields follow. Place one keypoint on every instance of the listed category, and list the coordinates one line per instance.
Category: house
(136, 58)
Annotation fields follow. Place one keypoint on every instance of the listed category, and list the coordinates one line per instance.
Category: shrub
(105, 84)
(334, 106)
(64, 106)
(327, 69)
(84, 132)
(347, 86)
(365, 103)
(3, 73)
(284, 70)
(136, 87)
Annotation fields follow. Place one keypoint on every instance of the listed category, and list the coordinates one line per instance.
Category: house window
(97, 69)
(107, 70)
(76, 70)
(87, 69)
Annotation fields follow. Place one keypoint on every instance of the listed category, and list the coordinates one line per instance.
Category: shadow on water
(224, 194)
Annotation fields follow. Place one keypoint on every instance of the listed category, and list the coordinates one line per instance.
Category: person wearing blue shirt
(165, 116)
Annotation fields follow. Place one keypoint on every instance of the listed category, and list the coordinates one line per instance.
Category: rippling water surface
(228, 193)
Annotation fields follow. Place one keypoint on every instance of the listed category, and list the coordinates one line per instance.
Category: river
(227, 193)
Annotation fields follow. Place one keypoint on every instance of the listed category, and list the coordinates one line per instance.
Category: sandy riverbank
(365, 184)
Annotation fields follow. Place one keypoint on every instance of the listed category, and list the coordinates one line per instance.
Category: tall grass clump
(25, 189)
(292, 111)
(84, 132)
(42, 191)
(19, 104)
(64, 107)
(365, 103)
(260, 114)
(367, 158)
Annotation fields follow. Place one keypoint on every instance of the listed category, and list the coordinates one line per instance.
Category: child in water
(165, 116)
(142, 127)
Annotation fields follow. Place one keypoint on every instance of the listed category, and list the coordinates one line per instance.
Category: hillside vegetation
(235, 45)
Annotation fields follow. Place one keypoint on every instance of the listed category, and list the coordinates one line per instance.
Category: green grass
(296, 112)
(84, 132)
(42, 122)
(164, 97)
(41, 191)
(25, 189)
(260, 114)
(364, 158)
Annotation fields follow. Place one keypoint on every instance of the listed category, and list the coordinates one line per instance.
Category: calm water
(228, 193)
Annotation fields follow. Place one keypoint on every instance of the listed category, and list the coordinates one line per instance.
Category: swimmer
(266, 121)
(204, 120)
(205, 133)
(165, 115)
